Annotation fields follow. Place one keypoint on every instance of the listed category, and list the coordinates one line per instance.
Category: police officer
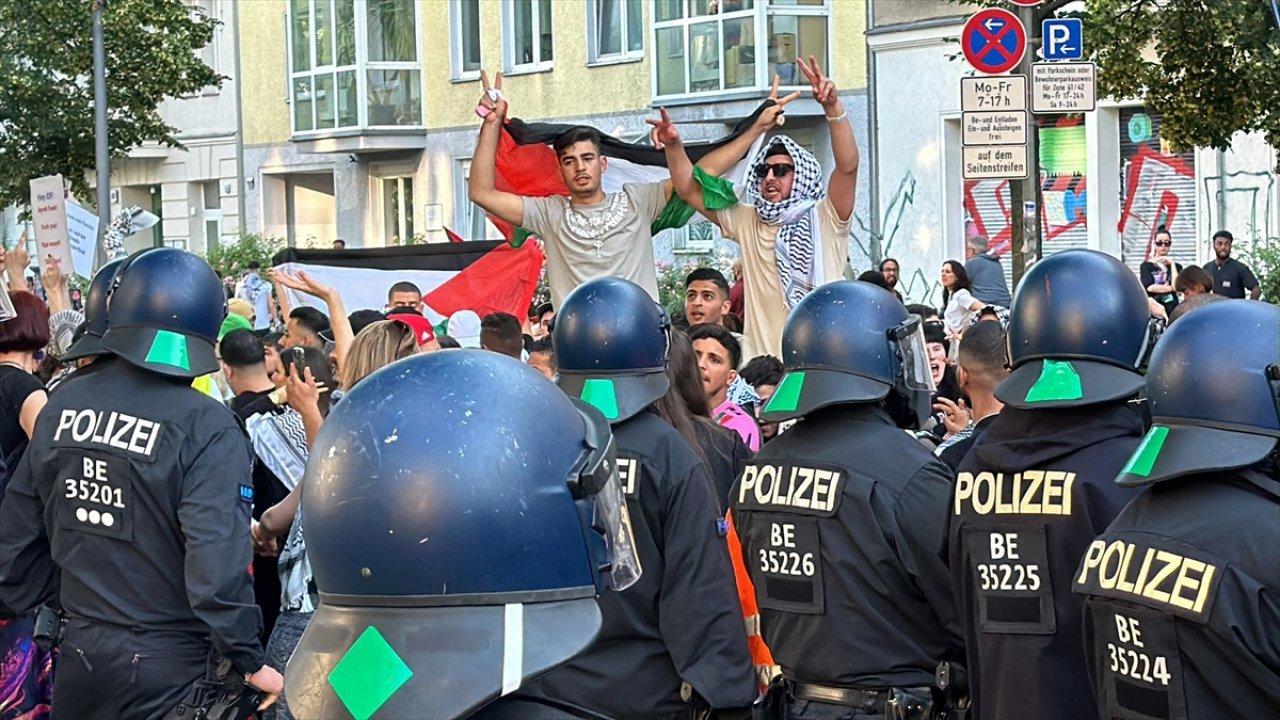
(842, 519)
(133, 498)
(89, 346)
(458, 553)
(1038, 486)
(674, 643)
(1182, 591)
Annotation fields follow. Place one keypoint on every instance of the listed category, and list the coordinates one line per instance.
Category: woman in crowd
(282, 441)
(685, 408)
(26, 683)
(378, 345)
(960, 306)
(1159, 275)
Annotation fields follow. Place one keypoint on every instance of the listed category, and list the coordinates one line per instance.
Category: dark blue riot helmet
(95, 314)
(1214, 389)
(1079, 332)
(611, 342)
(165, 307)
(852, 342)
(461, 513)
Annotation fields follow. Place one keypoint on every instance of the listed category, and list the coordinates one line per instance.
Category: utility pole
(103, 157)
(1024, 195)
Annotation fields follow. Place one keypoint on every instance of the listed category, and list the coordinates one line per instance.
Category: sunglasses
(780, 170)
(1164, 244)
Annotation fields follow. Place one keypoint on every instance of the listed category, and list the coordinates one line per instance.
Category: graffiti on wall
(1243, 201)
(915, 284)
(1158, 188)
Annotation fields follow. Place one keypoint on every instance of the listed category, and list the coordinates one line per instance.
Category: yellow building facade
(358, 116)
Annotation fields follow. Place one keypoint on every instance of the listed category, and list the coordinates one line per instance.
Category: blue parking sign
(1063, 38)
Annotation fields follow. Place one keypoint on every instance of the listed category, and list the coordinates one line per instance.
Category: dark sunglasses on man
(780, 170)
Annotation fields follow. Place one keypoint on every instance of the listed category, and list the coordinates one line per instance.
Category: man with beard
(1230, 276)
(794, 232)
(590, 233)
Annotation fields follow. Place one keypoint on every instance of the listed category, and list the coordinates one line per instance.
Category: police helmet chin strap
(1155, 328)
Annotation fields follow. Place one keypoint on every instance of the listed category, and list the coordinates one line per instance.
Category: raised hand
(824, 90)
(772, 116)
(492, 106)
(302, 282)
(664, 130)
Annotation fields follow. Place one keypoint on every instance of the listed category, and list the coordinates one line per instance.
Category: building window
(615, 30)
(474, 222)
(526, 35)
(397, 211)
(212, 214)
(695, 238)
(464, 19)
(715, 46)
(354, 63)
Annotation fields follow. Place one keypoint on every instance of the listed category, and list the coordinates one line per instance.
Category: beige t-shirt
(611, 239)
(764, 309)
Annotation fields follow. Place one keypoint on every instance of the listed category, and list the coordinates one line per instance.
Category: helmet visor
(909, 337)
(596, 476)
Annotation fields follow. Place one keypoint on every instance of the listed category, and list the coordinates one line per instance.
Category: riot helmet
(166, 306)
(95, 314)
(852, 342)
(458, 538)
(1214, 389)
(1079, 332)
(611, 341)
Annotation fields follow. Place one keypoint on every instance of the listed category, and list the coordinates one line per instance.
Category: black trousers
(111, 672)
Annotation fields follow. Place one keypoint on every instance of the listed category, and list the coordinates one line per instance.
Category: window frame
(509, 66)
(456, 73)
(762, 11)
(594, 57)
(361, 69)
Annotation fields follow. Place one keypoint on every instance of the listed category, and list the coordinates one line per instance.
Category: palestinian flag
(484, 277)
(527, 165)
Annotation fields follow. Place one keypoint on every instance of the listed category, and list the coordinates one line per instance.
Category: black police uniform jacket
(681, 621)
(133, 497)
(1030, 496)
(1182, 601)
(842, 522)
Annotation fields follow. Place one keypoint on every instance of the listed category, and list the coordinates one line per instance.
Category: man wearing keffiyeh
(794, 232)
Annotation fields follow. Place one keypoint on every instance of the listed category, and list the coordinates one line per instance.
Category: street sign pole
(101, 152)
(1024, 195)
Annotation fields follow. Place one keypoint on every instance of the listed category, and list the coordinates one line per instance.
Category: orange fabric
(761, 658)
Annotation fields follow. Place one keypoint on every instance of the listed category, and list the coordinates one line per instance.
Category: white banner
(82, 231)
(49, 216)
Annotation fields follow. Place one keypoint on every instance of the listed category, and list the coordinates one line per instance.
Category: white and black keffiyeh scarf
(799, 262)
(280, 442)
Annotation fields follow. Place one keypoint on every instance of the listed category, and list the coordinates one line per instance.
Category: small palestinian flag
(527, 165)
(484, 277)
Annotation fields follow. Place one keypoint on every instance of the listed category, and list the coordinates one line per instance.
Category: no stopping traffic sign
(993, 41)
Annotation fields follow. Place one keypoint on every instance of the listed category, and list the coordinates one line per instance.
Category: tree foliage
(1211, 68)
(231, 260)
(46, 82)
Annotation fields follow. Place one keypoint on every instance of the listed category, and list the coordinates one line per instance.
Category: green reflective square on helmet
(368, 674)
(1058, 381)
(600, 393)
(786, 397)
(1144, 458)
(169, 348)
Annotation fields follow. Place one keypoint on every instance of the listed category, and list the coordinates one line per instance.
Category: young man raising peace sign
(590, 233)
(793, 231)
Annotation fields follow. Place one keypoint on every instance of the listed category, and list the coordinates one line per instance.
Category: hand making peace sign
(824, 90)
(773, 115)
(492, 106)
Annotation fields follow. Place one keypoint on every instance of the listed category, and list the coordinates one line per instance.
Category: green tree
(1211, 68)
(233, 259)
(46, 86)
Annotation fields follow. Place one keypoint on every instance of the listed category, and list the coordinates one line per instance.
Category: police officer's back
(842, 519)
(133, 498)
(1182, 591)
(675, 641)
(1037, 487)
